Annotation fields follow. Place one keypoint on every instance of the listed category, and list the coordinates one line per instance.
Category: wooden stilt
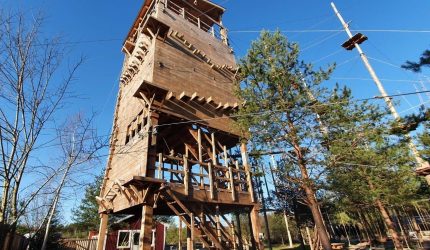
(145, 238)
(102, 231)
(256, 227)
(239, 231)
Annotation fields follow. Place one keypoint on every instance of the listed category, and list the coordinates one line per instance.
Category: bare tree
(31, 91)
(79, 146)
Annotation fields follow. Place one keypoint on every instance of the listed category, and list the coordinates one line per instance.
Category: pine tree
(86, 216)
(281, 97)
(369, 166)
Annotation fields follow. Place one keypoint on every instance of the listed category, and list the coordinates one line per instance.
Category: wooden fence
(78, 244)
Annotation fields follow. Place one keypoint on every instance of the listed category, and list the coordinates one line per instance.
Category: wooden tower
(173, 149)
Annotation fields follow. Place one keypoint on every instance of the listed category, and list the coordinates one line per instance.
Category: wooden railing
(215, 30)
(203, 175)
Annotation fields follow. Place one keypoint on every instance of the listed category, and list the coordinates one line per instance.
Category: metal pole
(387, 99)
(285, 213)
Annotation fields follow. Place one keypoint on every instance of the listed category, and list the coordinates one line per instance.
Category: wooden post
(238, 175)
(218, 224)
(256, 227)
(148, 163)
(198, 22)
(160, 166)
(211, 181)
(145, 238)
(309, 238)
(214, 160)
(199, 142)
(186, 176)
(245, 161)
(233, 235)
(102, 231)
(192, 230)
(239, 231)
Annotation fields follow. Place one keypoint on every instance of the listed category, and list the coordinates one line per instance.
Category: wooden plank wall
(214, 48)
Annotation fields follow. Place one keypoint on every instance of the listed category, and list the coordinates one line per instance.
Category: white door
(135, 240)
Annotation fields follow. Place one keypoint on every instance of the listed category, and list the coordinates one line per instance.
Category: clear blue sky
(99, 27)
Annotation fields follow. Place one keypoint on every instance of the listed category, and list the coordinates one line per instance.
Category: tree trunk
(5, 196)
(390, 224)
(317, 216)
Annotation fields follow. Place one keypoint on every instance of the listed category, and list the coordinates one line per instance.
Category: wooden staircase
(210, 232)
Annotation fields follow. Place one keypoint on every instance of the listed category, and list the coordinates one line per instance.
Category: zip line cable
(336, 30)
(262, 113)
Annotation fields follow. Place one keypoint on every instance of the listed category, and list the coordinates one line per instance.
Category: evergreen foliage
(86, 216)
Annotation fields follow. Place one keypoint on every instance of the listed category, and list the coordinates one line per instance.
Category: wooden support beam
(136, 193)
(102, 202)
(245, 161)
(104, 218)
(211, 181)
(256, 227)
(199, 143)
(145, 237)
(160, 166)
(182, 96)
(192, 150)
(238, 175)
(193, 96)
(218, 224)
(213, 144)
(186, 176)
(170, 95)
(146, 193)
(150, 32)
(193, 226)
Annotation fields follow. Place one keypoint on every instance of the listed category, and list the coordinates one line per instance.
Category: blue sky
(97, 28)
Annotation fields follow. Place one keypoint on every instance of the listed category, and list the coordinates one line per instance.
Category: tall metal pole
(387, 99)
(284, 212)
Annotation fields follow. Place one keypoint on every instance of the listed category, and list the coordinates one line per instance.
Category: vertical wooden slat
(233, 190)
(247, 170)
(160, 166)
(199, 144)
(213, 144)
(230, 174)
(211, 182)
(218, 224)
(239, 176)
(198, 22)
(186, 176)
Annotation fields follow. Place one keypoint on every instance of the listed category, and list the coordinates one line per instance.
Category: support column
(152, 146)
(239, 231)
(245, 162)
(102, 231)
(256, 226)
(145, 238)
